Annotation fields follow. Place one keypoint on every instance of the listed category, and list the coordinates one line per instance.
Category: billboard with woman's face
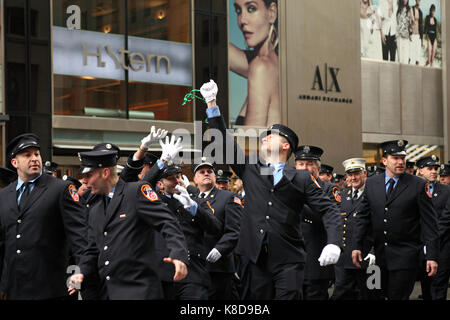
(254, 63)
(405, 31)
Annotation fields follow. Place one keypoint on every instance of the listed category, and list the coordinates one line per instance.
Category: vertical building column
(321, 76)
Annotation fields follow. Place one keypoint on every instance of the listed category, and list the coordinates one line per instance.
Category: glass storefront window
(96, 73)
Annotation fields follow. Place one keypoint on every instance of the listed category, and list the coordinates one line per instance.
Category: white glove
(330, 255)
(170, 149)
(371, 259)
(184, 197)
(213, 255)
(209, 91)
(153, 136)
(186, 181)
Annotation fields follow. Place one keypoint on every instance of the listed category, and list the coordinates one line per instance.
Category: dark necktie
(355, 195)
(106, 201)
(202, 195)
(390, 189)
(25, 196)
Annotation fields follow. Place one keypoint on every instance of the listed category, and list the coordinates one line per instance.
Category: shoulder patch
(148, 192)
(337, 194)
(74, 193)
(315, 181)
(427, 191)
(238, 201)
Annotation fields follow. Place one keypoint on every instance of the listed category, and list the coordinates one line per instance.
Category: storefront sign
(99, 55)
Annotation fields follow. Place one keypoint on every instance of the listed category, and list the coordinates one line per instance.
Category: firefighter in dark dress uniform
(436, 287)
(122, 226)
(317, 278)
(398, 211)
(428, 169)
(196, 219)
(40, 219)
(350, 281)
(227, 207)
(270, 234)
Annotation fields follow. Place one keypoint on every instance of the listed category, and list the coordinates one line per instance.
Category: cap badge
(108, 146)
(433, 157)
(220, 172)
(442, 167)
(306, 149)
(401, 143)
(48, 163)
(203, 158)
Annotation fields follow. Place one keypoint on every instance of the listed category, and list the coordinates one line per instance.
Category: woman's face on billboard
(254, 20)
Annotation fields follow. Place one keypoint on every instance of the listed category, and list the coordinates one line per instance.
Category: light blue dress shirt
(21, 186)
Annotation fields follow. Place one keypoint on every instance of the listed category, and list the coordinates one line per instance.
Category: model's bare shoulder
(263, 66)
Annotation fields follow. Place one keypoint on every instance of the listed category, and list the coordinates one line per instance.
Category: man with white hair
(350, 281)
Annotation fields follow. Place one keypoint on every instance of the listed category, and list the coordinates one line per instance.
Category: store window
(129, 59)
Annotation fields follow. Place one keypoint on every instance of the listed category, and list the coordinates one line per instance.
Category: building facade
(80, 72)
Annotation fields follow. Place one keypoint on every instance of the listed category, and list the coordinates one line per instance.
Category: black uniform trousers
(439, 284)
(187, 289)
(275, 281)
(243, 272)
(316, 289)
(223, 286)
(351, 284)
(397, 284)
(425, 281)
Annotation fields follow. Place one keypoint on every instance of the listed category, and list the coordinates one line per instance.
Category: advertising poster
(404, 31)
(254, 63)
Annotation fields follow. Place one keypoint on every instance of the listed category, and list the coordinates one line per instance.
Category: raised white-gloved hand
(371, 259)
(330, 255)
(213, 255)
(153, 136)
(185, 181)
(209, 91)
(170, 149)
(184, 197)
